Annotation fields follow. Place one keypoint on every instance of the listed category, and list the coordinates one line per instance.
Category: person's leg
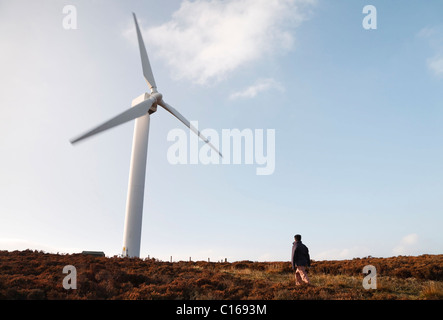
(298, 280)
(303, 274)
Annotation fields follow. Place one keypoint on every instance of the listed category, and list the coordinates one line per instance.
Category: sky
(356, 106)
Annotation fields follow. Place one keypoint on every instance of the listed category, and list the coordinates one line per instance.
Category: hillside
(38, 275)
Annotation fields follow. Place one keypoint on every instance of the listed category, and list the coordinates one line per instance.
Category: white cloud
(426, 32)
(410, 239)
(205, 41)
(407, 244)
(266, 257)
(12, 244)
(259, 86)
(436, 65)
(433, 36)
(342, 254)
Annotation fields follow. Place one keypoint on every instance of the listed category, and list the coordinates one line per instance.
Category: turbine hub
(157, 96)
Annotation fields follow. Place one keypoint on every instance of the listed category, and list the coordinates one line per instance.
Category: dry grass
(37, 275)
(432, 290)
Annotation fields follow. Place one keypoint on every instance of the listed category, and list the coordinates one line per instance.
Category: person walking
(300, 260)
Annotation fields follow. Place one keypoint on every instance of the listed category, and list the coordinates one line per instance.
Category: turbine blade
(147, 71)
(128, 115)
(185, 121)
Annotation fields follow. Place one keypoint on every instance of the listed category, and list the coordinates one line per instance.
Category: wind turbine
(141, 110)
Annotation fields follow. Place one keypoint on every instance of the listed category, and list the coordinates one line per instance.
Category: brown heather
(38, 275)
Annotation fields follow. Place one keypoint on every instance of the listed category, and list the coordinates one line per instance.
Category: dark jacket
(300, 255)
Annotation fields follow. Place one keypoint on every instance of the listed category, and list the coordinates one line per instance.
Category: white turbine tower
(142, 108)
